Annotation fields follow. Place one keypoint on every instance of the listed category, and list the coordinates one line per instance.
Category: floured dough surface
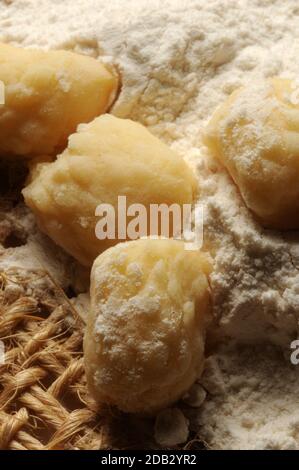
(105, 159)
(47, 94)
(255, 135)
(144, 343)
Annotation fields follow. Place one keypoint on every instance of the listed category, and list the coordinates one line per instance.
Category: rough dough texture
(255, 134)
(47, 94)
(144, 343)
(107, 158)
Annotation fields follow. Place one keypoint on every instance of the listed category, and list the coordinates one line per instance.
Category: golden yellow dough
(255, 134)
(47, 94)
(144, 342)
(107, 158)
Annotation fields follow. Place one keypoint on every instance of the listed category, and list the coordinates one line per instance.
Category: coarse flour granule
(178, 60)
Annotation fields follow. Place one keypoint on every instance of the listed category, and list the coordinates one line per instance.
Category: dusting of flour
(178, 61)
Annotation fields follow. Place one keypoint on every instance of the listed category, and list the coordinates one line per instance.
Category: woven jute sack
(44, 403)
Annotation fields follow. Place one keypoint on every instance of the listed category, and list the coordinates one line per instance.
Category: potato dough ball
(47, 94)
(144, 342)
(107, 158)
(255, 134)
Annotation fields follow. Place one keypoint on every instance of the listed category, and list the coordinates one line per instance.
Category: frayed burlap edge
(44, 403)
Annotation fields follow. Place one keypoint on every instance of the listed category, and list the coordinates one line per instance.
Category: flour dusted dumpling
(47, 94)
(144, 343)
(255, 134)
(105, 159)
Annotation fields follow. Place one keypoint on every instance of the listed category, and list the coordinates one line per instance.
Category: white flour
(253, 400)
(178, 60)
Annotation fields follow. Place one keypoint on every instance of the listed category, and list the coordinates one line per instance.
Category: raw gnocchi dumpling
(106, 158)
(47, 94)
(144, 342)
(255, 134)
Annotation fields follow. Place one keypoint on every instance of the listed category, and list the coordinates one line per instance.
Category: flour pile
(178, 61)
